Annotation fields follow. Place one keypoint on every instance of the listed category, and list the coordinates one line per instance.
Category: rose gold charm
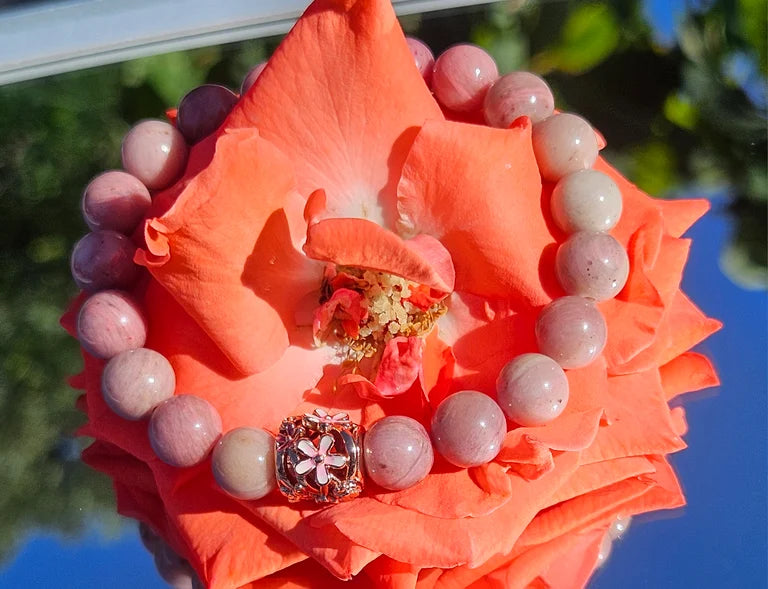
(318, 457)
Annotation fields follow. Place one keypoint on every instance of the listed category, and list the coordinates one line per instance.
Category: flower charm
(319, 459)
(321, 419)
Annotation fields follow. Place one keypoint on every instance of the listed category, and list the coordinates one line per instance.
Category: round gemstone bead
(136, 381)
(462, 76)
(183, 430)
(251, 77)
(423, 56)
(103, 259)
(174, 570)
(468, 429)
(149, 539)
(532, 389)
(571, 331)
(563, 143)
(243, 463)
(203, 110)
(586, 200)
(398, 452)
(110, 322)
(115, 200)
(592, 265)
(155, 152)
(515, 95)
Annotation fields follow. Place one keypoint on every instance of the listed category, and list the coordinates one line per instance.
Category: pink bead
(155, 152)
(586, 200)
(203, 110)
(115, 200)
(515, 95)
(532, 389)
(149, 538)
(251, 77)
(183, 430)
(423, 56)
(174, 570)
(592, 265)
(136, 381)
(103, 259)
(571, 331)
(398, 452)
(468, 429)
(462, 76)
(110, 322)
(563, 143)
(243, 463)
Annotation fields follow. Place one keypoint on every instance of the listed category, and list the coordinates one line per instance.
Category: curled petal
(321, 474)
(307, 448)
(326, 443)
(305, 466)
(336, 460)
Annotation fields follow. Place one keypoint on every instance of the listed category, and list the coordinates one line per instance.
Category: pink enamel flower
(319, 458)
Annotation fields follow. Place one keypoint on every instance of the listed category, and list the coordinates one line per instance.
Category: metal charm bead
(318, 457)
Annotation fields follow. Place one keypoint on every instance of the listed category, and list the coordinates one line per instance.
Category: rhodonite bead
(571, 331)
(586, 200)
(515, 95)
(251, 77)
(102, 260)
(203, 110)
(174, 570)
(423, 56)
(155, 152)
(398, 452)
(468, 429)
(592, 265)
(462, 76)
(115, 200)
(532, 389)
(135, 381)
(563, 143)
(243, 463)
(110, 322)
(183, 430)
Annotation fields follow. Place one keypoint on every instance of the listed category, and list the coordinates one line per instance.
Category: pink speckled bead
(532, 389)
(136, 381)
(110, 322)
(155, 152)
(115, 200)
(398, 452)
(571, 331)
(563, 143)
(592, 265)
(251, 77)
(203, 110)
(462, 76)
(515, 95)
(468, 428)
(183, 430)
(243, 463)
(102, 260)
(423, 56)
(586, 200)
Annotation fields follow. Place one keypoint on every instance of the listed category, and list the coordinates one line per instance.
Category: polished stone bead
(462, 76)
(174, 570)
(515, 95)
(149, 538)
(251, 77)
(183, 430)
(102, 260)
(115, 200)
(155, 152)
(468, 428)
(532, 389)
(592, 265)
(586, 200)
(136, 381)
(398, 452)
(571, 331)
(110, 322)
(243, 463)
(423, 56)
(563, 143)
(203, 110)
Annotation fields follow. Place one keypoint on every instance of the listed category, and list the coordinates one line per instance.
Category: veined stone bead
(155, 152)
(243, 463)
(398, 452)
(592, 265)
(102, 260)
(174, 570)
(462, 76)
(515, 95)
(532, 389)
(571, 331)
(183, 430)
(423, 56)
(115, 200)
(563, 143)
(586, 200)
(110, 322)
(203, 110)
(251, 77)
(468, 429)
(136, 381)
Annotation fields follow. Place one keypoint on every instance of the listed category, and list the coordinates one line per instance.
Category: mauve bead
(398, 452)
(461, 77)
(423, 56)
(515, 95)
(243, 463)
(149, 539)
(174, 570)
(468, 428)
(155, 152)
(203, 110)
(183, 430)
(571, 331)
(110, 322)
(115, 200)
(102, 260)
(563, 143)
(251, 77)
(136, 381)
(532, 389)
(586, 200)
(592, 265)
